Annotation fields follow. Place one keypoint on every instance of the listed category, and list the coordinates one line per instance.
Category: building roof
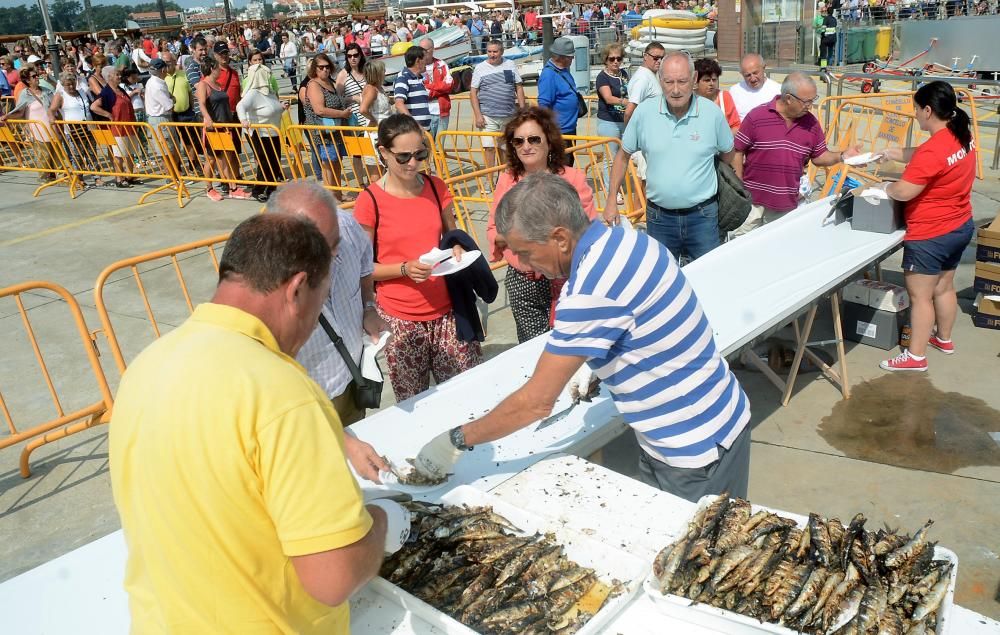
(153, 15)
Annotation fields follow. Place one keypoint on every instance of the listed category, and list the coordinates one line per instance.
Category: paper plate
(450, 266)
(863, 158)
(389, 481)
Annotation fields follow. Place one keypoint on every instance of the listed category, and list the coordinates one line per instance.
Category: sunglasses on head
(403, 158)
(534, 140)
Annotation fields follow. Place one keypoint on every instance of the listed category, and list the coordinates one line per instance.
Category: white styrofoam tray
(738, 624)
(608, 563)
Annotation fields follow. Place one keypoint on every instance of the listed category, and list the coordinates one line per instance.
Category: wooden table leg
(838, 330)
(801, 340)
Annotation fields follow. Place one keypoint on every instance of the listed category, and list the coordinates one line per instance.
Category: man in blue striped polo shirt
(628, 312)
(409, 90)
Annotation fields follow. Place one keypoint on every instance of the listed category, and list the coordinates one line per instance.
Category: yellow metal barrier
(65, 423)
(125, 151)
(153, 271)
(877, 121)
(342, 158)
(461, 113)
(7, 104)
(228, 153)
(27, 145)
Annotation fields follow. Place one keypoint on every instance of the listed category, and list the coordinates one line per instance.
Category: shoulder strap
(375, 228)
(568, 83)
(437, 197)
(338, 343)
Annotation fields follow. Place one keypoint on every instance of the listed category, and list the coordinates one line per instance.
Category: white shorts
(494, 125)
(121, 148)
(640, 165)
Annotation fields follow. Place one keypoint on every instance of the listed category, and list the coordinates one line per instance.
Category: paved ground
(902, 450)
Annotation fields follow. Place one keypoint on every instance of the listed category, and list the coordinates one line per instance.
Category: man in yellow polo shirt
(227, 460)
(184, 112)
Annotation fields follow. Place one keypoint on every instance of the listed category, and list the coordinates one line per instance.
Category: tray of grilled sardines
(743, 568)
(475, 564)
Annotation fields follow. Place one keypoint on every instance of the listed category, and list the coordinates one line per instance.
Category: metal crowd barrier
(120, 150)
(152, 271)
(65, 423)
(27, 145)
(228, 153)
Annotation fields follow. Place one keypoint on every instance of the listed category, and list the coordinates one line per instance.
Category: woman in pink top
(538, 147)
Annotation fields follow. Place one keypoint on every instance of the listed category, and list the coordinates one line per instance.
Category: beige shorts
(121, 147)
(494, 125)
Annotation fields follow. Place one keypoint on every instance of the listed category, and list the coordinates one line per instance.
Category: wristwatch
(370, 304)
(458, 438)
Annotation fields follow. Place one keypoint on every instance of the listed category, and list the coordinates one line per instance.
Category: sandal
(123, 184)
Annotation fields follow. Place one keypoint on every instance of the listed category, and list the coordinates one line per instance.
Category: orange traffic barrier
(461, 106)
(147, 276)
(125, 152)
(68, 420)
(30, 146)
(228, 153)
(343, 158)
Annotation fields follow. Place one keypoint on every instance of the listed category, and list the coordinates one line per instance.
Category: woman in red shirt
(405, 214)
(937, 187)
(538, 146)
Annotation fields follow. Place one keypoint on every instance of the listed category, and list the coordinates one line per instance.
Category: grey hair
(674, 55)
(752, 56)
(68, 75)
(107, 72)
(288, 198)
(537, 205)
(794, 81)
(425, 39)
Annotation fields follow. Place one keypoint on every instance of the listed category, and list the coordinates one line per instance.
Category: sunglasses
(614, 58)
(353, 56)
(403, 158)
(656, 58)
(805, 102)
(534, 140)
(321, 67)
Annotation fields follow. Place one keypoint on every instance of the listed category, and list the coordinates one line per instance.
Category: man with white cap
(557, 87)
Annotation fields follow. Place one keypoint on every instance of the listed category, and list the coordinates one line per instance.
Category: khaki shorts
(494, 125)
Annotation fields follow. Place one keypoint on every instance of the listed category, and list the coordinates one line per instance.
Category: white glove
(397, 521)
(583, 385)
(437, 459)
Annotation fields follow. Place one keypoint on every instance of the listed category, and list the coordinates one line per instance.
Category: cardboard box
(883, 217)
(878, 295)
(987, 313)
(867, 325)
(987, 279)
(988, 242)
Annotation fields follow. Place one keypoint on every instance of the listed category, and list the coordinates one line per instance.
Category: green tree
(110, 16)
(66, 15)
(355, 6)
(21, 19)
(268, 11)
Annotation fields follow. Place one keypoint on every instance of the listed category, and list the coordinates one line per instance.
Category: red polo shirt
(775, 154)
(947, 172)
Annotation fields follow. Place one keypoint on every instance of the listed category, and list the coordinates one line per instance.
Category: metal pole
(229, 13)
(52, 47)
(546, 32)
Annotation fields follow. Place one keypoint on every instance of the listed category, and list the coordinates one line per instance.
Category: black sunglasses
(354, 55)
(403, 158)
(534, 140)
(655, 57)
(320, 67)
(614, 58)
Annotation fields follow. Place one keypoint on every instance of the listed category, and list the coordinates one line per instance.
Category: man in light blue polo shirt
(680, 135)
(629, 314)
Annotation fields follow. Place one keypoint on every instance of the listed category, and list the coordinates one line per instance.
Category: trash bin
(854, 47)
(883, 42)
(868, 43)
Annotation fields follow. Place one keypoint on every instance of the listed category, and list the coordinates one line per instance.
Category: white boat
(450, 44)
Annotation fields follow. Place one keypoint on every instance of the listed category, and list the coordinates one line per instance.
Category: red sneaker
(947, 348)
(213, 194)
(239, 194)
(903, 361)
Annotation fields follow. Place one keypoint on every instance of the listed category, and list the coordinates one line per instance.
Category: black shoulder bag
(368, 393)
(582, 109)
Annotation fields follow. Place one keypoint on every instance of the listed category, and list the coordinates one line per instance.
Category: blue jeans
(614, 130)
(438, 124)
(696, 233)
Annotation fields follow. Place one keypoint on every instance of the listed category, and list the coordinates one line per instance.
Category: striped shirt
(496, 88)
(628, 309)
(775, 154)
(344, 309)
(409, 88)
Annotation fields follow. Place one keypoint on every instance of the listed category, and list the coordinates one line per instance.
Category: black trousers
(267, 152)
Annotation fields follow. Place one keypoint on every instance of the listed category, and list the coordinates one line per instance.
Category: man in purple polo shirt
(774, 143)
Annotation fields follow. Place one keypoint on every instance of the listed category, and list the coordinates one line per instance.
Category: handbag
(582, 109)
(734, 199)
(368, 392)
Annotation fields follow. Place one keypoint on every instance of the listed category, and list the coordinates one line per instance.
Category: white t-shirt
(747, 99)
(643, 85)
(289, 52)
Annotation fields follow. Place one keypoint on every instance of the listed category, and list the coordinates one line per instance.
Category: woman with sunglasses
(406, 213)
(612, 98)
(538, 146)
(350, 85)
(33, 104)
(324, 107)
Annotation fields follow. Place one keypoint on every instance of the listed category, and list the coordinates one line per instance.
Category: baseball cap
(158, 64)
(33, 58)
(562, 46)
(220, 47)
